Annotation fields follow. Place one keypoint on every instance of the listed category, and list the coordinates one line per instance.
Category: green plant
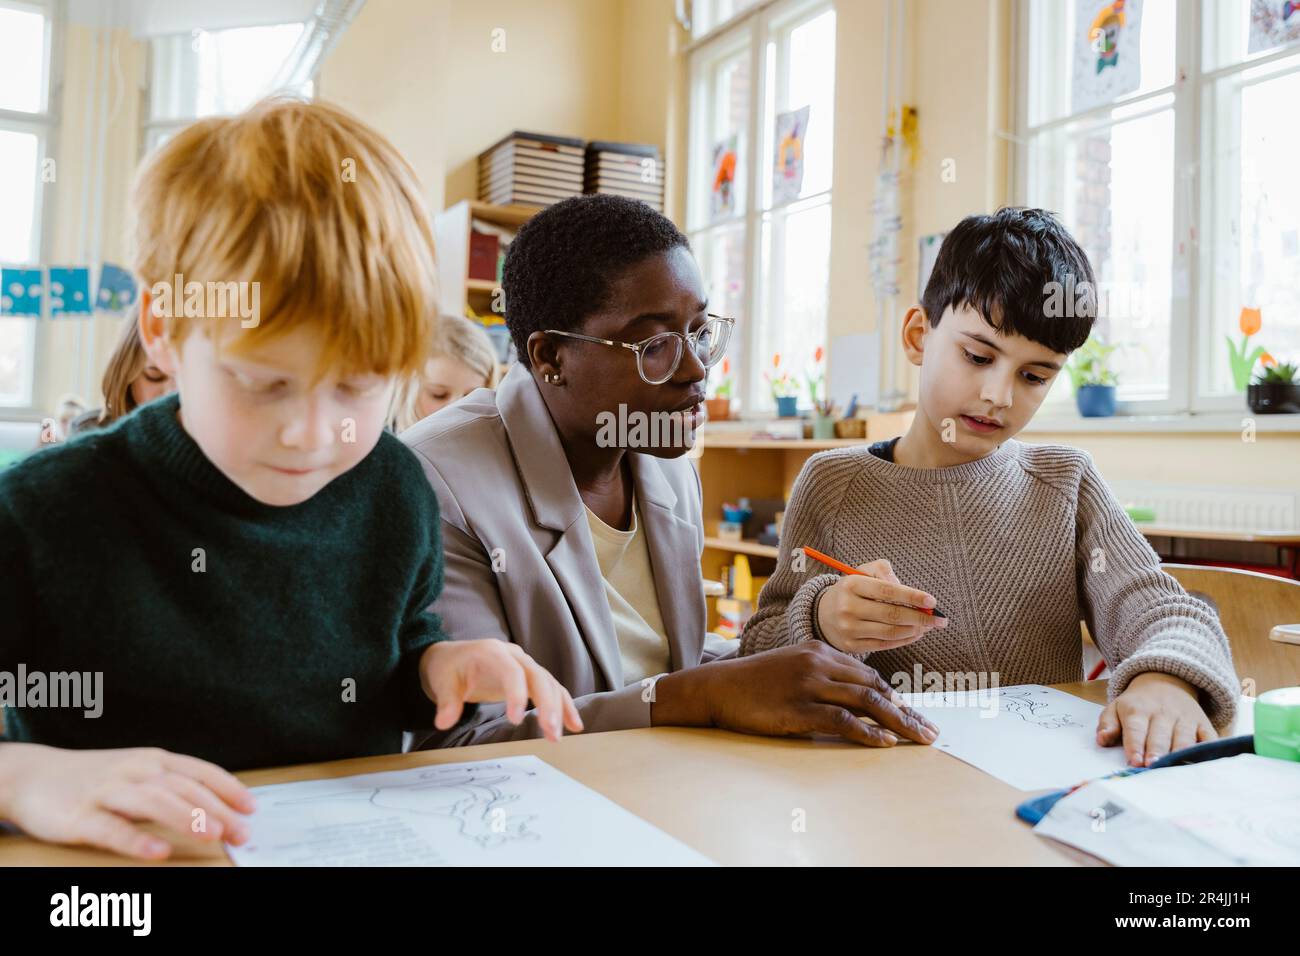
(723, 388)
(814, 381)
(780, 381)
(1284, 374)
(1090, 364)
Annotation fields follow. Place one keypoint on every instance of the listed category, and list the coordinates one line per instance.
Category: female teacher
(565, 535)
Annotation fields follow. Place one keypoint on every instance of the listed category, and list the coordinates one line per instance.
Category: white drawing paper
(514, 811)
(1030, 736)
(855, 370)
(1234, 811)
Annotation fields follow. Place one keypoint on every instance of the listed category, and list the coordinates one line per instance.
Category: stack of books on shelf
(742, 597)
(531, 169)
(626, 169)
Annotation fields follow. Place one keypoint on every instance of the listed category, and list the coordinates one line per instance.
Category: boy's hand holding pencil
(869, 609)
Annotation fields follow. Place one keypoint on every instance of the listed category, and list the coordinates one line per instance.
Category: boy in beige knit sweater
(1015, 543)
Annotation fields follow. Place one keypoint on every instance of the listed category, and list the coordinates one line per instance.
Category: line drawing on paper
(477, 801)
(1037, 712)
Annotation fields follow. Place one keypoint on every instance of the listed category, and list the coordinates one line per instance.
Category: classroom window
(707, 15)
(210, 73)
(25, 125)
(1251, 210)
(759, 185)
(1179, 187)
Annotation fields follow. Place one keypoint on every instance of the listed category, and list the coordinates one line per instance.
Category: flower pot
(1273, 398)
(823, 427)
(787, 406)
(718, 409)
(1095, 401)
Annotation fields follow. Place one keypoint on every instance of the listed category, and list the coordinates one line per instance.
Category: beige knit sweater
(1016, 547)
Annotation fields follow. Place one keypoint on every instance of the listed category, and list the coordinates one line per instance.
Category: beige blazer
(520, 564)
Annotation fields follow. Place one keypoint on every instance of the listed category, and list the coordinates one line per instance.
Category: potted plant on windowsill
(783, 389)
(719, 406)
(823, 412)
(1276, 389)
(1093, 379)
(1240, 360)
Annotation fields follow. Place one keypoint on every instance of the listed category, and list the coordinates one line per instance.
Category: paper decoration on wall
(787, 168)
(1273, 23)
(69, 291)
(927, 254)
(722, 197)
(1106, 54)
(21, 292)
(117, 290)
(883, 255)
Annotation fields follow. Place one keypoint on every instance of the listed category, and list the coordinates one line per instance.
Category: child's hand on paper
(96, 797)
(455, 673)
(1155, 715)
(874, 613)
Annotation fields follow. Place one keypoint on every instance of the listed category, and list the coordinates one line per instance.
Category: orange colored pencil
(830, 562)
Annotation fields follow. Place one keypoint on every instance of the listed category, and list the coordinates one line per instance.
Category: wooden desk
(1165, 538)
(732, 797)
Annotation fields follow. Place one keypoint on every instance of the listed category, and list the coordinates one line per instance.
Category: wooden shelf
(741, 547)
(502, 215)
(779, 444)
(879, 426)
(451, 229)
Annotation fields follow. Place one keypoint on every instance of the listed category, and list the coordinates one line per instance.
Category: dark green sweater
(242, 664)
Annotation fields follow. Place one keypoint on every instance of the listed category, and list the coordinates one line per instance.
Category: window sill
(1185, 423)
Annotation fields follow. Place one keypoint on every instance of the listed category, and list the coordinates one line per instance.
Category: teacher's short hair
(560, 266)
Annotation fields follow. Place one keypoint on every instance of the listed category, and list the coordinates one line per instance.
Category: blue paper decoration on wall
(69, 291)
(21, 291)
(117, 289)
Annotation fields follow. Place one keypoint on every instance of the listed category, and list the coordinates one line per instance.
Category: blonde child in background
(70, 407)
(130, 380)
(58, 427)
(461, 359)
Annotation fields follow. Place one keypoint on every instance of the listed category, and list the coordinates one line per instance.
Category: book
(531, 169)
(634, 170)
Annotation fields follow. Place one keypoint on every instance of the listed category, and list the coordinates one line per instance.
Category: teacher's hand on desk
(808, 688)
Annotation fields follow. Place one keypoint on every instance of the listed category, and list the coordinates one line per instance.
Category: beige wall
(388, 68)
(426, 75)
(1220, 458)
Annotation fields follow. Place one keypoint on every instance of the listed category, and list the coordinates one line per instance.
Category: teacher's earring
(556, 379)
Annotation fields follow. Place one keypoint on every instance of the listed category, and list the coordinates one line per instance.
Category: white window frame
(1191, 319)
(752, 29)
(152, 127)
(45, 125)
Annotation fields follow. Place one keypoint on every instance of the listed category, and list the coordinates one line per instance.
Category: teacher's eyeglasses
(658, 357)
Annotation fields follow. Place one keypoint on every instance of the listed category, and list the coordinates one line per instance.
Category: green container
(823, 428)
(1277, 723)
